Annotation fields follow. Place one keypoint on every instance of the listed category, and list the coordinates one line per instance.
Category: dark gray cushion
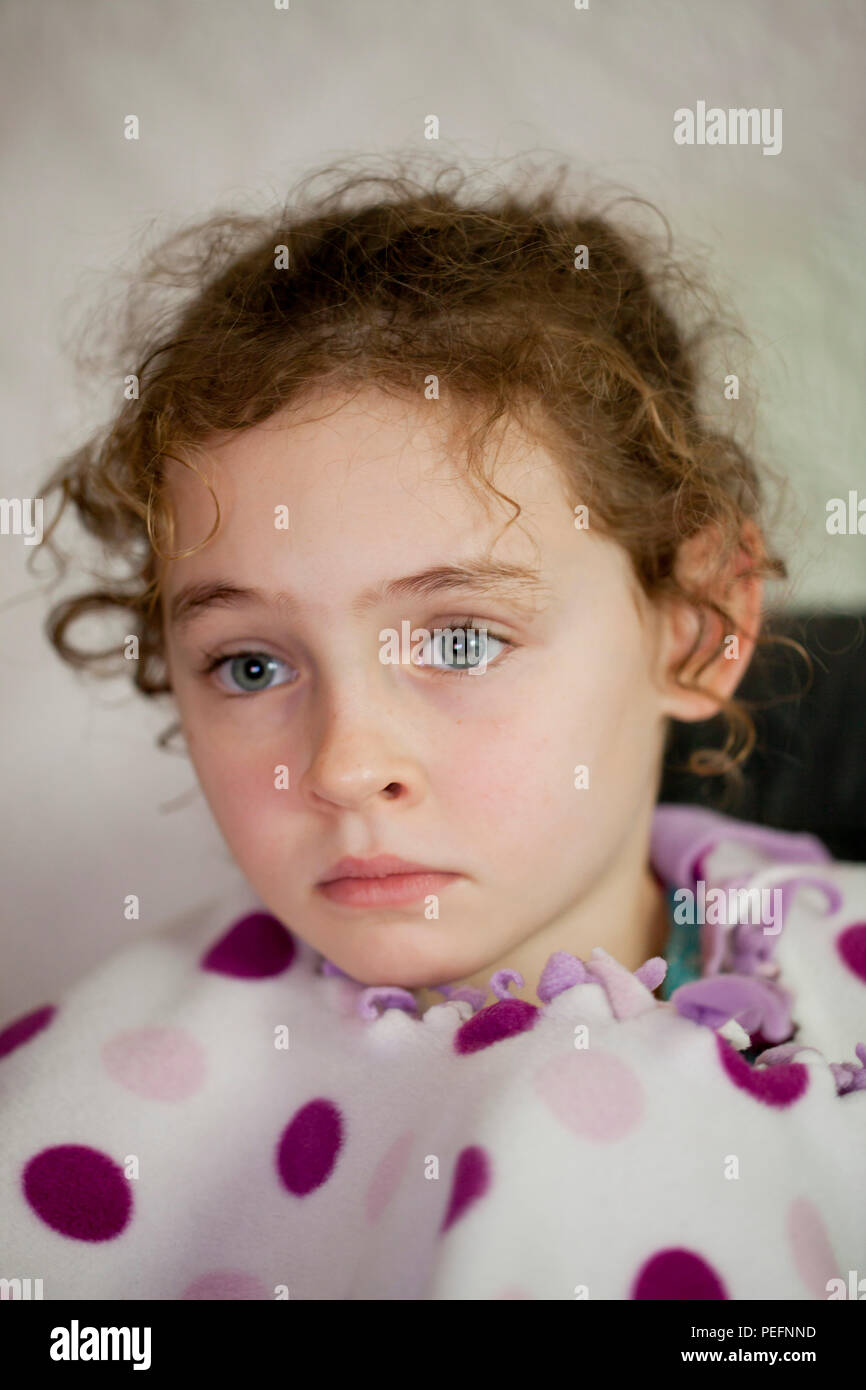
(808, 770)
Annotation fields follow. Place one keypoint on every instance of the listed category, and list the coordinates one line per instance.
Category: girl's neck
(626, 914)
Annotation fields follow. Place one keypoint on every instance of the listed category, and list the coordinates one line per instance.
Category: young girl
(429, 539)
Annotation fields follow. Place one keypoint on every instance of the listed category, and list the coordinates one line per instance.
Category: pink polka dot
(497, 1021)
(678, 1274)
(813, 1253)
(471, 1181)
(24, 1028)
(79, 1192)
(308, 1147)
(388, 1174)
(226, 1283)
(851, 946)
(778, 1085)
(157, 1063)
(592, 1093)
(256, 947)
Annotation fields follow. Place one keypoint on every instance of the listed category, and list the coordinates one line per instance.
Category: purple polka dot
(851, 945)
(24, 1028)
(226, 1283)
(678, 1274)
(491, 1025)
(256, 947)
(308, 1149)
(79, 1192)
(471, 1181)
(773, 1085)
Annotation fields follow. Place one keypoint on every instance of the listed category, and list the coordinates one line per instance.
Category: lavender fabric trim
(759, 1006)
(680, 835)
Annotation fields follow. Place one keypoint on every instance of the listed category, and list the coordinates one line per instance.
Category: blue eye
(467, 646)
(253, 671)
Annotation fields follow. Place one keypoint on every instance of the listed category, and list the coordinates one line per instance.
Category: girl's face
(320, 749)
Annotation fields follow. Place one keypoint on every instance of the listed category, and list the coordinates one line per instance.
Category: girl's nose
(363, 755)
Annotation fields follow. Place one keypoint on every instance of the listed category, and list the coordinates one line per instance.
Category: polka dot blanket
(218, 1113)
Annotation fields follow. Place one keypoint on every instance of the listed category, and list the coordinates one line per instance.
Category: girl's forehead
(387, 467)
(371, 428)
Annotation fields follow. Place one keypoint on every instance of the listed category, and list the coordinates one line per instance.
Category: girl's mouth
(395, 888)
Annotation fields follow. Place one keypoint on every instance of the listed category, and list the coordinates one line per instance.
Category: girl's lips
(393, 888)
(378, 867)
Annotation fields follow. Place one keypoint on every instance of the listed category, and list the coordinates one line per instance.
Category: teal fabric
(683, 952)
(683, 955)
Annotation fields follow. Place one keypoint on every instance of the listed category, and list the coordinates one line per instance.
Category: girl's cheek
(498, 768)
(230, 781)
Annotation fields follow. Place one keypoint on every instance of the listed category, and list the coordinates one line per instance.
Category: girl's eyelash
(214, 659)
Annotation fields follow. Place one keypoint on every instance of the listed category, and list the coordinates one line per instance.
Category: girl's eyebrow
(521, 585)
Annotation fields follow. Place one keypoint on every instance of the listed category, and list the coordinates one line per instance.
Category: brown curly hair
(391, 279)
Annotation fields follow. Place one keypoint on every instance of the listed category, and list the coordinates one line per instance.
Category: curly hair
(522, 307)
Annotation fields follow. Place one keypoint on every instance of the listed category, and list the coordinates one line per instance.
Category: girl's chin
(425, 977)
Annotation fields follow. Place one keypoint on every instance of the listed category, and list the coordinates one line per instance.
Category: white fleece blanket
(214, 1113)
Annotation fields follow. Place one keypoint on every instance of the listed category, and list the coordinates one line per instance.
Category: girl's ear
(733, 585)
